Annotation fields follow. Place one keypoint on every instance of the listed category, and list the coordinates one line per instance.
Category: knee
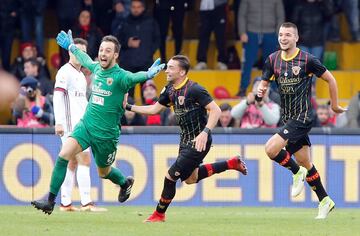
(84, 159)
(304, 163)
(102, 175)
(103, 172)
(191, 180)
(270, 150)
(65, 155)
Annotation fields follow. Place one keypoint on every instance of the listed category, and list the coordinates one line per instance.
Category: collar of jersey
(182, 83)
(291, 57)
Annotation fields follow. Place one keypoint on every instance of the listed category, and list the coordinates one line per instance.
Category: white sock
(84, 183)
(67, 187)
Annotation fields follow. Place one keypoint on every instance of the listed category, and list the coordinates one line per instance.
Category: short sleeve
(61, 80)
(164, 98)
(268, 70)
(201, 95)
(315, 66)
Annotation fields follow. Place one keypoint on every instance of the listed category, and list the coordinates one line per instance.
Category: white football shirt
(71, 108)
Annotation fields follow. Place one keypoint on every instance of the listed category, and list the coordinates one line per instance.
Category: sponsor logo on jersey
(289, 81)
(109, 81)
(98, 100)
(79, 94)
(97, 90)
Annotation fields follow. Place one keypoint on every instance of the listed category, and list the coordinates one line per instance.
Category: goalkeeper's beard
(107, 65)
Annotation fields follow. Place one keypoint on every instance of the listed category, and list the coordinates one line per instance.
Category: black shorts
(296, 133)
(188, 160)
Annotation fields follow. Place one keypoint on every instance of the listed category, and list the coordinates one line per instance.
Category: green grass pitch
(208, 221)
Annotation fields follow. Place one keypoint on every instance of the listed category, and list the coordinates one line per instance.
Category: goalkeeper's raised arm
(65, 40)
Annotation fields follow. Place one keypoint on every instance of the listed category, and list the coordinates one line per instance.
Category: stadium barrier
(27, 158)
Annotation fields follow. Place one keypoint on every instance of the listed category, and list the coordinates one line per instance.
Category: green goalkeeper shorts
(104, 151)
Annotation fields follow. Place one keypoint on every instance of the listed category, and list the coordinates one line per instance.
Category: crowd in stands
(142, 28)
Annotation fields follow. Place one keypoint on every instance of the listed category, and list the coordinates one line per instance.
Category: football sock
(285, 160)
(57, 177)
(84, 183)
(167, 195)
(208, 170)
(116, 177)
(67, 187)
(313, 179)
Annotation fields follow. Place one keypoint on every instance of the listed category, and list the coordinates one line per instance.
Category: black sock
(313, 179)
(208, 170)
(167, 195)
(285, 160)
(51, 197)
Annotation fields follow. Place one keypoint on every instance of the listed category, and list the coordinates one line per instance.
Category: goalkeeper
(98, 128)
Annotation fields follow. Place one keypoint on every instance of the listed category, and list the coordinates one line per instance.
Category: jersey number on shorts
(111, 158)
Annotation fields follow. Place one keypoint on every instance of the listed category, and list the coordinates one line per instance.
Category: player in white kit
(69, 106)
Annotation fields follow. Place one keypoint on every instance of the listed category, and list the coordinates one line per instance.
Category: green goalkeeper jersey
(109, 86)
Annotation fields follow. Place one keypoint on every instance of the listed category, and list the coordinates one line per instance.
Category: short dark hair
(225, 107)
(113, 39)
(184, 62)
(289, 25)
(33, 62)
(81, 42)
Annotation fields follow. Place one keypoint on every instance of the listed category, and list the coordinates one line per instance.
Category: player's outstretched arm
(146, 110)
(65, 40)
(142, 76)
(329, 78)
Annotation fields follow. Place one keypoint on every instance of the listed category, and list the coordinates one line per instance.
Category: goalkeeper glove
(65, 40)
(155, 69)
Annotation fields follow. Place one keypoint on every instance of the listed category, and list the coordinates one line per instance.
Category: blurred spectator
(27, 51)
(8, 15)
(289, 7)
(102, 12)
(258, 23)
(235, 8)
(67, 12)
(323, 118)
(149, 92)
(31, 69)
(131, 118)
(351, 11)
(311, 17)
(139, 38)
(86, 29)
(165, 10)
(32, 14)
(122, 11)
(212, 18)
(226, 120)
(31, 109)
(253, 114)
(353, 112)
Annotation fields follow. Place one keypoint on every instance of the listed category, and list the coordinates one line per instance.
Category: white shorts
(66, 135)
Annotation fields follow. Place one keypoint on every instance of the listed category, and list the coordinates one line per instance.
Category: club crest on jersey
(109, 81)
(181, 100)
(296, 70)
